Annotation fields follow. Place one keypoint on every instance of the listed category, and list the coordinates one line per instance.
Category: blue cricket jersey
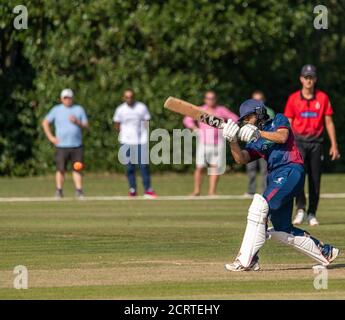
(276, 154)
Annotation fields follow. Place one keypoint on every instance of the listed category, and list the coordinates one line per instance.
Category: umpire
(309, 111)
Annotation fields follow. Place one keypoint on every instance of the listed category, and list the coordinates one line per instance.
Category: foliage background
(159, 48)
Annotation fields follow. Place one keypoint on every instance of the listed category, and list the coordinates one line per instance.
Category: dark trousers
(137, 155)
(283, 184)
(312, 155)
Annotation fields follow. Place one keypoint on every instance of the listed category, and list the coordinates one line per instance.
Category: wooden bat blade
(187, 109)
(183, 107)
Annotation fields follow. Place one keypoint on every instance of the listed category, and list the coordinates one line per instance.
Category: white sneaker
(334, 255)
(237, 266)
(299, 217)
(312, 220)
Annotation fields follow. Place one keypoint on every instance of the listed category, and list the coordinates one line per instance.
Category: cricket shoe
(150, 194)
(132, 193)
(237, 266)
(58, 194)
(79, 194)
(333, 255)
(312, 220)
(299, 217)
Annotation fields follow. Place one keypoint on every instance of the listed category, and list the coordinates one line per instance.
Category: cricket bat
(187, 109)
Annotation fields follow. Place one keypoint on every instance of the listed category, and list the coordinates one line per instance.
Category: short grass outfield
(172, 249)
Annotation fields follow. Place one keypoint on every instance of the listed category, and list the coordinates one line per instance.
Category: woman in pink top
(210, 144)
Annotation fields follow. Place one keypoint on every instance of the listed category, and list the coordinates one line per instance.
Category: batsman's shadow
(292, 268)
(336, 266)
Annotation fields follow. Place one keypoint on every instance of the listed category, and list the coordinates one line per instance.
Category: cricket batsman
(273, 140)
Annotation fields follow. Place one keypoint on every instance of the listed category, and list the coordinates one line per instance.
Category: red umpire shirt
(308, 115)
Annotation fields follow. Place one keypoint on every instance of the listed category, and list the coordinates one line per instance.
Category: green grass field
(152, 249)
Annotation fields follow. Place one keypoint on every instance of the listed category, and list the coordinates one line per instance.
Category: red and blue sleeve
(281, 121)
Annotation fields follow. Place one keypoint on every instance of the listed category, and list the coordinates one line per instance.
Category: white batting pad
(303, 244)
(255, 234)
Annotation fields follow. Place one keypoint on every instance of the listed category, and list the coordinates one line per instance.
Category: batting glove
(230, 131)
(249, 133)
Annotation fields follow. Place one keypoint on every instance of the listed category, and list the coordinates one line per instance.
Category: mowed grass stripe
(116, 185)
(278, 289)
(103, 233)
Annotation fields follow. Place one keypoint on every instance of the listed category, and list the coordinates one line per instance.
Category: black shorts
(63, 155)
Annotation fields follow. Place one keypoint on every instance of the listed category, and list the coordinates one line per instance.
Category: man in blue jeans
(273, 140)
(131, 120)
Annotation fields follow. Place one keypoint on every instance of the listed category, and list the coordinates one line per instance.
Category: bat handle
(223, 123)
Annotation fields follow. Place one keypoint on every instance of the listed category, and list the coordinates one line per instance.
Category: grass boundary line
(140, 198)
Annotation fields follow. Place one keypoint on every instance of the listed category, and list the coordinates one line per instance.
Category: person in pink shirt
(210, 143)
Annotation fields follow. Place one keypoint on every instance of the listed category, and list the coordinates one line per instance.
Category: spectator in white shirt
(131, 120)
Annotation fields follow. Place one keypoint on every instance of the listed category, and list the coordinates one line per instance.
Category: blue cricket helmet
(253, 106)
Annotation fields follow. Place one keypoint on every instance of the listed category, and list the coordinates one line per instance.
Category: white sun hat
(66, 93)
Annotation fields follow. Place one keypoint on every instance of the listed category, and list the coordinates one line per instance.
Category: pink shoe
(132, 193)
(150, 194)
